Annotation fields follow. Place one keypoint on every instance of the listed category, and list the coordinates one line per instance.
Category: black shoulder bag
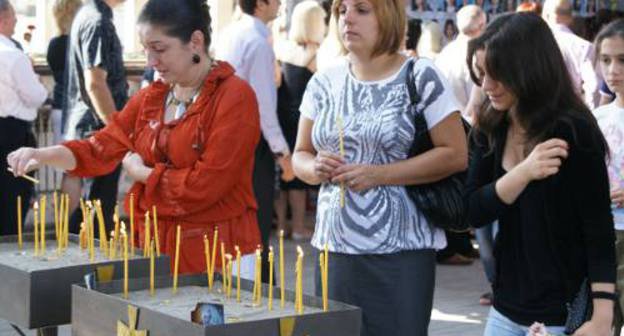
(441, 202)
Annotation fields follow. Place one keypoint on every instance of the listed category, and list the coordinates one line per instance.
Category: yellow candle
(148, 238)
(102, 227)
(177, 261)
(116, 238)
(270, 278)
(342, 154)
(111, 250)
(223, 274)
(281, 261)
(153, 266)
(207, 255)
(323, 285)
(238, 271)
(36, 219)
(214, 255)
(228, 272)
(325, 274)
(156, 232)
(66, 242)
(43, 224)
(125, 242)
(61, 224)
(56, 216)
(20, 243)
(91, 234)
(83, 236)
(132, 223)
(258, 277)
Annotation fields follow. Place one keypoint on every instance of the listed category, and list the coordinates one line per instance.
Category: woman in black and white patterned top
(382, 248)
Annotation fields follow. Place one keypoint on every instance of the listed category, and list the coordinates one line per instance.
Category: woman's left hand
(135, 167)
(358, 177)
(594, 328)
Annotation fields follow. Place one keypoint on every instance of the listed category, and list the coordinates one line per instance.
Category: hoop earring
(196, 59)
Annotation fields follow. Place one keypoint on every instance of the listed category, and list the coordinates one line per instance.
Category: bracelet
(604, 295)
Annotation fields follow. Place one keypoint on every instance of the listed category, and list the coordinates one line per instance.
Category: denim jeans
(485, 238)
(499, 325)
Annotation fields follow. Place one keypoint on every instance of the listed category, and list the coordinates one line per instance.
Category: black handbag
(580, 309)
(441, 202)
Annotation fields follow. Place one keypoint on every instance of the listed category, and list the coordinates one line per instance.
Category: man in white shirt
(577, 53)
(21, 94)
(247, 47)
(452, 60)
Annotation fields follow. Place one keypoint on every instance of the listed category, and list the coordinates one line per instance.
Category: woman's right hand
(617, 197)
(545, 159)
(325, 163)
(23, 160)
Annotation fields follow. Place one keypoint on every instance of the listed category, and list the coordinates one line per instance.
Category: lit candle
(66, 242)
(125, 242)
(156, 232)
(20, 243)
(177, 260)
(153, 266)
(148, 238)
(214, 255)
(43, 224)
(207, 255)
(61, 224)
(132, 224)
(238, 271)
(270, 278)
(223, 270)
(281, 261)
(300, 279)
(36, 219)
(342, 154)
(91, 233)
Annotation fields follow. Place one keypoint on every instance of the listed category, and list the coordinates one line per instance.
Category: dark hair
(4, 5)
(522, 54)
(613, 29)
(414, 31)
(450, 23)
(179, 18)
(249, 6)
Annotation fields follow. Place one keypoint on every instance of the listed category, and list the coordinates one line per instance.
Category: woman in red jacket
(188, 140)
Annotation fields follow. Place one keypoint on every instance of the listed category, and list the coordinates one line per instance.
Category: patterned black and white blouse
(378, 129)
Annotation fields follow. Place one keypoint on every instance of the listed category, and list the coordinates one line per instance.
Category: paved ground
(456, 310)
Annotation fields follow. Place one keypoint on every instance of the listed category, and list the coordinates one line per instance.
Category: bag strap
(410, 81)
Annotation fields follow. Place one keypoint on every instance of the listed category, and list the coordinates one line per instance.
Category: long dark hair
(522, 54)
(179, 18)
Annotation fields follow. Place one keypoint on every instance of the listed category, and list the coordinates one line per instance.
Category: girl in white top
(610, 54)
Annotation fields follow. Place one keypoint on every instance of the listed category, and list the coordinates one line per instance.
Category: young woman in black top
(537, 166)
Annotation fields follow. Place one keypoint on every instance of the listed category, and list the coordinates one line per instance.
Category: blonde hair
(307, 23)
(392, 23)
(430, 42)
(64, 12)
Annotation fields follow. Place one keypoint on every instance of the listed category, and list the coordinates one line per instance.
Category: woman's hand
(325, 165)
(285, 163)
(594, 328)
(617, 197)
(137, 170)
(357, 177)
(24, 160)
(545, 160)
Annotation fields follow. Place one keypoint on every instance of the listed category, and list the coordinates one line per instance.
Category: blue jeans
(485, 238)
(499, 325)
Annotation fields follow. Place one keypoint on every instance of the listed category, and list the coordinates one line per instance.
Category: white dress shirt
(452, 63)
(578, 56)
(21, 92)
(247, 48)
